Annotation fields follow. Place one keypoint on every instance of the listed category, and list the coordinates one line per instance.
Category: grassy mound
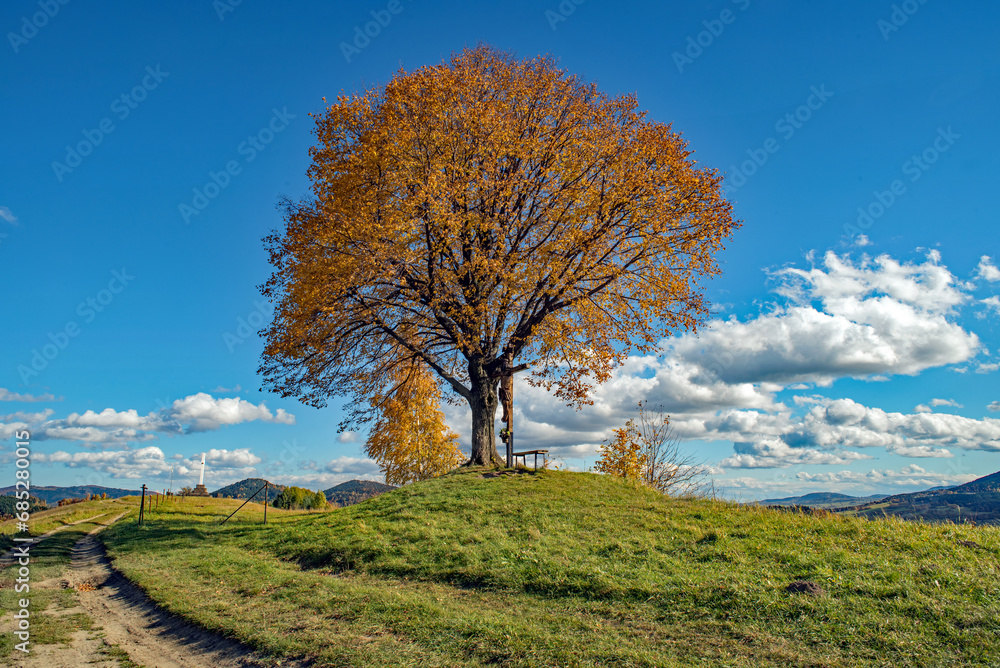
(573, 569)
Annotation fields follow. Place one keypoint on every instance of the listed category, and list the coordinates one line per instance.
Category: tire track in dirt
(13, 553)
(150, 635)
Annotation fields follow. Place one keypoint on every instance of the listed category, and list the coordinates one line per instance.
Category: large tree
(485, 216)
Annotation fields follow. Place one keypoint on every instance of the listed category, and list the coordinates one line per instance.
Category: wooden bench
(524, 454)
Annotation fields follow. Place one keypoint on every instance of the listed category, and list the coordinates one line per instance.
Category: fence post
(241, 507)
(142, 504)
(266, 483)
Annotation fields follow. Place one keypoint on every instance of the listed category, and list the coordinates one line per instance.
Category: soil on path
(13, 553)
(127, 622)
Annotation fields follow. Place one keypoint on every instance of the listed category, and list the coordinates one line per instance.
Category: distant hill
(824, 500)
(355, 491)
(53, 495)
(246, 487)
(989, 483)
(977, 501)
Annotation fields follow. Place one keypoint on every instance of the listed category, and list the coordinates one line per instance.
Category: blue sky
(855, 337)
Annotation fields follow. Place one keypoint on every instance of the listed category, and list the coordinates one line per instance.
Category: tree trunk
(484, 409)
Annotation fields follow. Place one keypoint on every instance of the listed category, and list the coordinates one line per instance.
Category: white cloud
(7, 395)
(352, 466)
(9, 429)
(149, 463)
(774, 453)
(992, 304)
(987, 270)
(226, 390)
(196, 413)
(918, 451)
(347, 437)
(934, 403)
(21, 416)
(202, 412)
(862, 240)
(828, 432)
(928, 286)
(945, 402)
(107, 418)
(993, 406)
(128, 464)
(985, 367)
(877, 317)
(5, 214)
(843, 423)
(908, 476)
(238, 458)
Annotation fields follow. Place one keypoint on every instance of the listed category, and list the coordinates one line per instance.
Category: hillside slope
(822, 500)
(246, 488)
(977, 501)
(555, 569)
(988, 483)
(355, 491)
(53, 495)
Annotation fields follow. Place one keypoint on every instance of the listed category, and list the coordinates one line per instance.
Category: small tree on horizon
(411, 441)
(486, 216)
(650, 451)
(623, 455)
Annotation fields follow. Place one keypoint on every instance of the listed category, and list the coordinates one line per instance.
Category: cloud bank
(193, 414)
(868, 319)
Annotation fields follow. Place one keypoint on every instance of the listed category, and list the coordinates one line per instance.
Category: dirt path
(12, 554)
(85, 647)
(127, 629)
(149, 635)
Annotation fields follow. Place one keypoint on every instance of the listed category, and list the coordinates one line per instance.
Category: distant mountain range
(344, 494)
(825, 500)
(977, 501)
(355, 491)
(53, 495)
(245, 488)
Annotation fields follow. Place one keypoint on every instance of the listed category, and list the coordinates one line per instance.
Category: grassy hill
(247, 487)
(355, 491)
(572, 569)
(977, 501)
(823, 500)
(53, 495)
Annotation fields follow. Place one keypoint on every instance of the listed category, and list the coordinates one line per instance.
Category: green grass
(43, 521)
(49, 560)
(571, 569)
(115, 653)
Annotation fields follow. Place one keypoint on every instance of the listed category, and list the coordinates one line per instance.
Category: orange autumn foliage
(624, 455)
(486, 216)
(410, 441)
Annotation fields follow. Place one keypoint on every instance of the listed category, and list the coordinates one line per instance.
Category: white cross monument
(200, 489)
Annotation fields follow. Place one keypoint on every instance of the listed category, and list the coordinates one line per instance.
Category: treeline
(8, 507)
(297, 498)
(89, 497)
